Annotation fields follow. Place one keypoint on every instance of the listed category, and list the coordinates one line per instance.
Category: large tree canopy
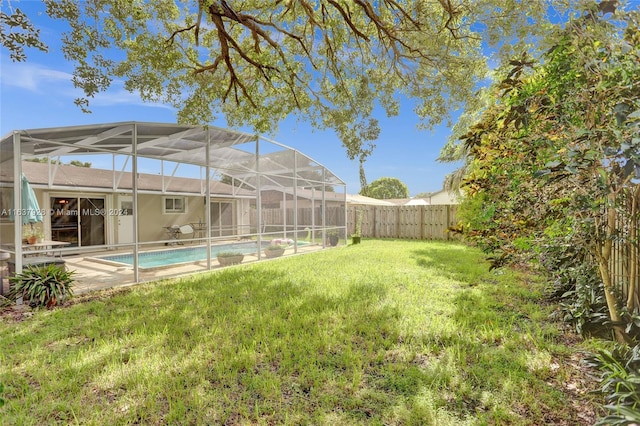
(385, 188)
(255, 62)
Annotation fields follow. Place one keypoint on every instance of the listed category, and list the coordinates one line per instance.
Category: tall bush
(554, 160)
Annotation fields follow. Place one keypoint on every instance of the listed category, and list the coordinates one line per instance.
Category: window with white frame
(175, 205)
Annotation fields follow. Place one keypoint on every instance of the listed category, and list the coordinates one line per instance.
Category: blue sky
(39, 93)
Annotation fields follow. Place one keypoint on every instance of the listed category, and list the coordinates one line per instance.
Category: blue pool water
(154, 259)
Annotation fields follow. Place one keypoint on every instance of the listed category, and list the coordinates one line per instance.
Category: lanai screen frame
(207, 147)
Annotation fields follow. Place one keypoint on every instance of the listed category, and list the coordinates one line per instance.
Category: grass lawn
(384, 332)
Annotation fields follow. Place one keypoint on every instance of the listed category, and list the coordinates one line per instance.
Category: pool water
(154, 259)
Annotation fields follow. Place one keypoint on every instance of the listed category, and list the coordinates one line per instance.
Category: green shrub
(42, 285)
(229, 254)
(576, 286)
(620, 384)
(4, 302)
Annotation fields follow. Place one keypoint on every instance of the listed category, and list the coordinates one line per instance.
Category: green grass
(381, 333)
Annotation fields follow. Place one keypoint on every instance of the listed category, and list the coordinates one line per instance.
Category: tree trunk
(612, 302)
(603, 255)
(634, 247)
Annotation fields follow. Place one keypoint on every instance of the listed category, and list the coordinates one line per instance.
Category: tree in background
(330, 62)
(386, 188)
(76, 163)
(79, 163)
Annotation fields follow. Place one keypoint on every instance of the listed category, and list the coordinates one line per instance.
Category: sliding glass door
(78, 220)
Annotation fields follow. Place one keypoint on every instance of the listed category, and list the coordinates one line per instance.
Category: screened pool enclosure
(89, 193)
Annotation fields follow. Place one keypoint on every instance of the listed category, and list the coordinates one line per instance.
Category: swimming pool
(171, 257)
(163, 258)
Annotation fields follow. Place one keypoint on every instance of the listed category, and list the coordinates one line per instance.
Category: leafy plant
(385, 188)
(33, 231)
(333, 237)
(229, 254)
(358, 231)
(274, 250)
(586, 308)
(1, 390)
(42, 285)
(576, 286)
(4, 302)
(620, 384)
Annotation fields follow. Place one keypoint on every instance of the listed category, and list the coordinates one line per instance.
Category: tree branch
(181, 30)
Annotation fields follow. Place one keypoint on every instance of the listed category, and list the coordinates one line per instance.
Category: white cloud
(118, 96)
(40, 79)
(32, 77)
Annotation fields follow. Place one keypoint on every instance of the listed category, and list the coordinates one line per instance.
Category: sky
(38, 93)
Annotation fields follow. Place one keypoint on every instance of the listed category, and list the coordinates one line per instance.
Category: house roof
(416, 202)
(308, 194)
(408, 201)
(67, 176)
(361, 199)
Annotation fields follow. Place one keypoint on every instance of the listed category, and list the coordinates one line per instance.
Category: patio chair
(176, 232)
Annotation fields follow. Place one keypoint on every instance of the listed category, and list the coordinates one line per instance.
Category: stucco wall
(151, 220)
(444, 197)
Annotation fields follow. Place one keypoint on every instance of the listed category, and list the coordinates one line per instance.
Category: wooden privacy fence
(624, 264)
(274, 219)
(407, 222)
(410, 222)
(625, 270)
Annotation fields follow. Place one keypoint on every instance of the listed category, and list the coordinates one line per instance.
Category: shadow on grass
(503, 352)
(453, 261)
(240, 346)
(493, 343)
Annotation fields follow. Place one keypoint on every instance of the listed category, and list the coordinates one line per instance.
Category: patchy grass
(384, 332)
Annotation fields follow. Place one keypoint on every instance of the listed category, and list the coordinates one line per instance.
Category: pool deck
(91, 275)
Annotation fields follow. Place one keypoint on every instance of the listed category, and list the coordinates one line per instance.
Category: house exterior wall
(6, 232)
(152, 219)
(444, 197)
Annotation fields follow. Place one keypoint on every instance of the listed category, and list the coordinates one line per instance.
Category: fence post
(375, 222)
(446, 224)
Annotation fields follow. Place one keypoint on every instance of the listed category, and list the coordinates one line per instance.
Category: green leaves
(555, 149)
(42, 285)
(328, 62)
(620, 384)
(17, 33)
(385, 188)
